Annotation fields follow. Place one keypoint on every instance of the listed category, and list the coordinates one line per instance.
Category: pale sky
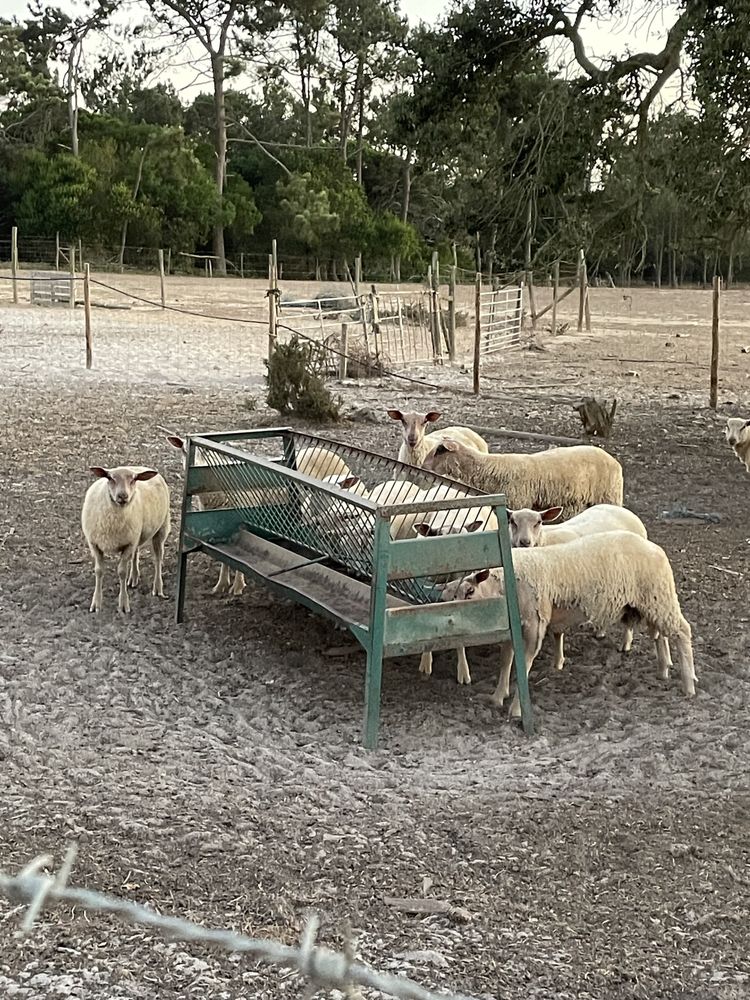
(645, 31)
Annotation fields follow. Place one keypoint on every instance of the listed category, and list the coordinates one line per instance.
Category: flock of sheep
(598, 566)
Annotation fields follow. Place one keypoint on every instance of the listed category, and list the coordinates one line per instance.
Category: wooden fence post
(80, 253)
(272, 301)
(529, 279)
(477, 329)
(87, 312)
(357, 273)
(715, 326)
(582, 288)
(555, 292)
(57, 251)
(161, 280)
(452, 312)
(344, 350)
(72, 264)
(14, 261)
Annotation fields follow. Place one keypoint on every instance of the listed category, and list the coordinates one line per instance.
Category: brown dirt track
(214, 769)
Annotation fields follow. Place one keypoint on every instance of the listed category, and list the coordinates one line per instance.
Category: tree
(211, 25)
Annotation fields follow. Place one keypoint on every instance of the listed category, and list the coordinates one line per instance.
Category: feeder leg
(181, 580)
(373, 677)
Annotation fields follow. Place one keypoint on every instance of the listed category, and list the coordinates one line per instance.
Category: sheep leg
(502, 691)
(683, 641)
(463, 676)
(222, 587)
(559, 638)
(124, 567)
(134, 577)
(627, 639)
(157, 544)
(425, 663)
(532, 643)
(96, 600)
(239, 583)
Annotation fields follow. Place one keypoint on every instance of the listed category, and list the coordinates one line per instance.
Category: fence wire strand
(321, 966)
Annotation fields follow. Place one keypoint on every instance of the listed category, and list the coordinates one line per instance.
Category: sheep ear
(395, 414)
(423, 529)
(346, 484)
(551, 514)
(481, 576)
(142, 477)
(99, 472)
(448, 444)
(746, 424)
(176, 442)
(474, 526)
(432, 416)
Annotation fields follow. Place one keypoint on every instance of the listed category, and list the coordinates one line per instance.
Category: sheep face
(471, 588)
(737, 431)
(414, 424)
(121, 483)
(526, 525)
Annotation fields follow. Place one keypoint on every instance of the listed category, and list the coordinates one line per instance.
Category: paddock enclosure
(213, 769)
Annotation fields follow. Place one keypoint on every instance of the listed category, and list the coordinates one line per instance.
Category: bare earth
(214, 770)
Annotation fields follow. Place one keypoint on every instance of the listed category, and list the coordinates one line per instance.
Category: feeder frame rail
(382, 591)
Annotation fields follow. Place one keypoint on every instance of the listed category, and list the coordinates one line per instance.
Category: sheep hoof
(237, 589)
(220, 588)
(464, 679)
(95, 607)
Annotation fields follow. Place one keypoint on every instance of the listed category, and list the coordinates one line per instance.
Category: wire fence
(321, 967)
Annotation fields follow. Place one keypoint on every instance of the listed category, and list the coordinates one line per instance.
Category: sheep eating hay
(574, 478)
(613, 577)
(123, 509)
(737, 433)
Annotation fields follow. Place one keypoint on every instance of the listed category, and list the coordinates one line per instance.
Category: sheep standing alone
(737, 433)
(615, 576)
(123, 509)
(575, 478)
(417, 445)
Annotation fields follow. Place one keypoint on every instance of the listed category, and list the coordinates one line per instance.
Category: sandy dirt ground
(213, 770)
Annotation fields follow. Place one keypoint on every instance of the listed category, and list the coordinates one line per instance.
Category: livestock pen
(344, 562)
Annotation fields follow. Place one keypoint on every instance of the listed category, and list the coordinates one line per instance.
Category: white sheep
(416, 445)
(737, 433)
(530, 528)
(123, 509)
(575, 478)
(615, 576)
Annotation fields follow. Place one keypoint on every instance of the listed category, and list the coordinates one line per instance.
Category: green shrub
(296, 382)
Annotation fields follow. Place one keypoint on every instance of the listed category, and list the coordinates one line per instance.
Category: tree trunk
(406, 197)
(704, 283)
(360, 130)
(136, 189)
(659, 258)
(220, 165)
(730, 263)
(73, 98)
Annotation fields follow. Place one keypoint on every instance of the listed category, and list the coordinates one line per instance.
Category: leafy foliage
(296, 383)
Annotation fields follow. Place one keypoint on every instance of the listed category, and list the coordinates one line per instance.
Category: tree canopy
(338, 129)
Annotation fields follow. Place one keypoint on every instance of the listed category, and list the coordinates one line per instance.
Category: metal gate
(500, 315)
